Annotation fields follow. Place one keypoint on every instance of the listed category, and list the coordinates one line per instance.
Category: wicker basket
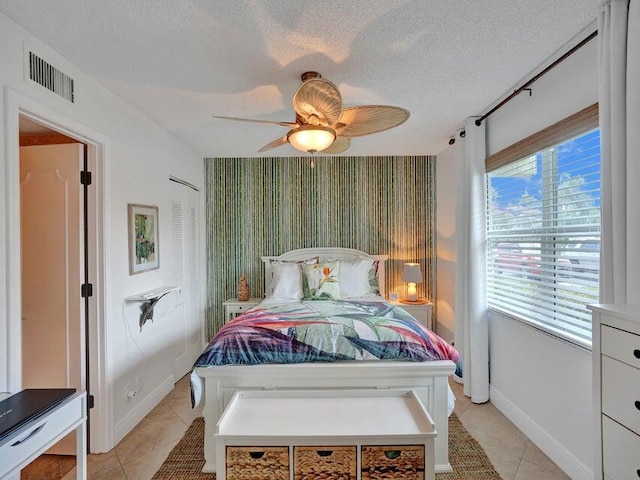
(257, 463)
(325, 463)
(398, 462)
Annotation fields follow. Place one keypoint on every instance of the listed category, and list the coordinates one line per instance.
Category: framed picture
(144, 253)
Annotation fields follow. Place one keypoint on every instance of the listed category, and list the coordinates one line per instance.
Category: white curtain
(471, 322)
(619, 59)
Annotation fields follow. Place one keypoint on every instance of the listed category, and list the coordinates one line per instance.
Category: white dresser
(616, 382)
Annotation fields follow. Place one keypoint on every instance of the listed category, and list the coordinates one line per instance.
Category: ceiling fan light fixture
(311, 138)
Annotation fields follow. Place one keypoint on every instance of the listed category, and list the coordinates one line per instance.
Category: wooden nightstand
(234, 307)
(421, 311)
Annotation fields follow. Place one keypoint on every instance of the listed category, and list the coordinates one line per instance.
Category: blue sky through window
(577, 159)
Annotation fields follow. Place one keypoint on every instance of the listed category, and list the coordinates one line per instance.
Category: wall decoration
(143, 238)
(268, 206)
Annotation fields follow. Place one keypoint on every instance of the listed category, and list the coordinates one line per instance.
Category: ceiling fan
(323, 124)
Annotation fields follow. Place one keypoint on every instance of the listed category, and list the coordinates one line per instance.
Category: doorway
(93, 360)
(52, 256)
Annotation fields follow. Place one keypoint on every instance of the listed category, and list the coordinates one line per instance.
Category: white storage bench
(328, 434)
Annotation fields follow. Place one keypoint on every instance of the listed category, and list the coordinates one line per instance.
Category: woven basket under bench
(404, 462)
(257, 463)
(325, 463)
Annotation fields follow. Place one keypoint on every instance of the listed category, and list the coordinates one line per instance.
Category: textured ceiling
(180, 61)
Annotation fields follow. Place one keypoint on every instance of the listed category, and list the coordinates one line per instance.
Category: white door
(50, 211)
(185, 273)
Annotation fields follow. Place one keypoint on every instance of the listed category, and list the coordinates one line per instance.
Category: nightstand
(234, 307)
(421, 311)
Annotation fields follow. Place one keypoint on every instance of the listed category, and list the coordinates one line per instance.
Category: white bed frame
(428, 379)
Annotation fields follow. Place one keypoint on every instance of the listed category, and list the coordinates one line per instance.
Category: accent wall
(268, 206)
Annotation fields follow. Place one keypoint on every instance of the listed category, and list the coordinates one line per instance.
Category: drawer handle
(636, 353)
(324, 453)
(31, 434)
(637, 404)
(392, 454)
(256, 455)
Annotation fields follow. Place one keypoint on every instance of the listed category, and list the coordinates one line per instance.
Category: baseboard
(557, 452)
(134, 417)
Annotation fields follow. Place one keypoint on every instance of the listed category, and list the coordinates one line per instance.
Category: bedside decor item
(143, 238)
(412, 274)
(243, 288)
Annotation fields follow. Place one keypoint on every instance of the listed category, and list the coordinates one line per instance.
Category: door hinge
(85, 177)
(90, 401)
(86, 290)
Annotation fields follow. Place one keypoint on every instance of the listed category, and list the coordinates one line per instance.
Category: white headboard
(330, 253)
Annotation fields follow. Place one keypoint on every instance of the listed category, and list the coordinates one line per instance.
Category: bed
(216, 382)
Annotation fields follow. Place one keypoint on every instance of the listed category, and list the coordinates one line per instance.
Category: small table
(279, 428)
(234, 307)
(35, 437)
(421, 311)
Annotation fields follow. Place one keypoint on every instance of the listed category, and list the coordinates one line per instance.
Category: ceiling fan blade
(319, 97)
(278, 142)
(266, 122)
(339, 145)
(367, 119)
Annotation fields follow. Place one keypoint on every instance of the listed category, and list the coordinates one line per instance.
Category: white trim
(134, 417)
(557, 452)
(17, 104)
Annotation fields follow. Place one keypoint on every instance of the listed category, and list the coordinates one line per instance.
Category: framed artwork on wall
(144, 254)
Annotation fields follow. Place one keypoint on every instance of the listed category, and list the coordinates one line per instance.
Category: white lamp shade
(311, 138)
(411, 273)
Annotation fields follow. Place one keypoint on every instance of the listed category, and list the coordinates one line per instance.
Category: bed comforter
(325, 331)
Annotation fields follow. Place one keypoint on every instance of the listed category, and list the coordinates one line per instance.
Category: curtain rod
(525, 87)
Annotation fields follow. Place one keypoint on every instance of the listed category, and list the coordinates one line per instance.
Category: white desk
(29, 442)
(327, 420)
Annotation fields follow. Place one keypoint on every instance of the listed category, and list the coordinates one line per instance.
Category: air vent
(45, 74)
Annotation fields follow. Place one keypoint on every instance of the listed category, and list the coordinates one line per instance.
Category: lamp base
(419, 301)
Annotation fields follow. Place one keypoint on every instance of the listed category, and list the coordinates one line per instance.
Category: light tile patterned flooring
(142, 451)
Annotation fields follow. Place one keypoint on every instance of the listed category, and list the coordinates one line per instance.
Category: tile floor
(142, 451)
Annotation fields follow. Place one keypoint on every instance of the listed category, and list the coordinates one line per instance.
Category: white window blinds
(543, 233)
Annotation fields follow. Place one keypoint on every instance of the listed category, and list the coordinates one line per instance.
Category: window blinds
(543, 236)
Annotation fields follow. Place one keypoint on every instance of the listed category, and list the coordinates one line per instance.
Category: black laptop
(27, 405)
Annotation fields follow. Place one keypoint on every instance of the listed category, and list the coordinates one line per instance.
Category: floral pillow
(321, 281)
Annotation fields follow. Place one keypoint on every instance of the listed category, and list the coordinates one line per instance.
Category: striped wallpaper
(267, 206)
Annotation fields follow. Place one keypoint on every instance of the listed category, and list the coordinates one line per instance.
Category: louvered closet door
(185, 273)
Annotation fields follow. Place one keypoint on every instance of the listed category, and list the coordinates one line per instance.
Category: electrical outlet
(130, 391)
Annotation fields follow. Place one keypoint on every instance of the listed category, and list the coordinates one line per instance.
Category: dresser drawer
(621, 393)
(621, 345)
(620, 451)
(18, 447)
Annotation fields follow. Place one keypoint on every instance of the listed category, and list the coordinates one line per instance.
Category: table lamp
(412, 274)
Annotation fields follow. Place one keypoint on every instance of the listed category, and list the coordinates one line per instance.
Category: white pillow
(354, 278)
(286, 281)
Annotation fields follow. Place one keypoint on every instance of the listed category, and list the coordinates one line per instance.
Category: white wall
(541, 383)
(140, 156)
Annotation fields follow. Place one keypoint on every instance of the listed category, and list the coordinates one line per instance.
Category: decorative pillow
(374, 285)
(286, 281)
(354, 278)
(321, 281)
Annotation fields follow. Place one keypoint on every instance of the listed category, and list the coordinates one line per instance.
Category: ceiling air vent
(45, 74)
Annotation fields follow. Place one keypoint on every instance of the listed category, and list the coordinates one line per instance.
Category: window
(543, 233)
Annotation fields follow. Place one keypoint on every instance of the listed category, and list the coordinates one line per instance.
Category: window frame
(571, 127)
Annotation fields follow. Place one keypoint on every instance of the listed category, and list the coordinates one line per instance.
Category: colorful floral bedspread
(325, 331)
